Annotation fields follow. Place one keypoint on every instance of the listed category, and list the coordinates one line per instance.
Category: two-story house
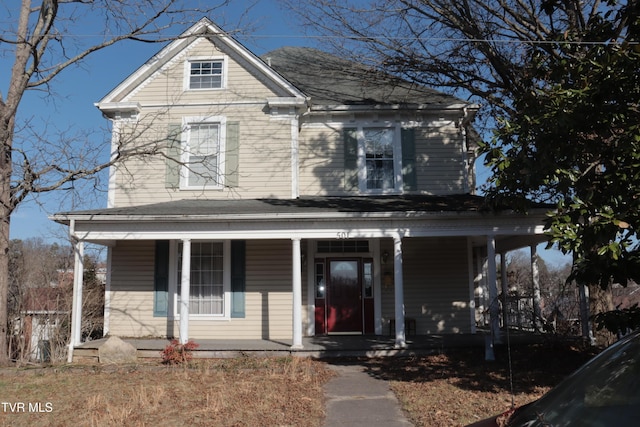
(292, 195)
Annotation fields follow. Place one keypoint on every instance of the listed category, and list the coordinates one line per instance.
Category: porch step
(85, 355)
(315, 347)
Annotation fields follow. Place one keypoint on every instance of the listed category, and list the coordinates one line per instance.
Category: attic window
(206, 74)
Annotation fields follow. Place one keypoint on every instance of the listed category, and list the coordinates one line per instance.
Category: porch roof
(301, 207)
(311, 218)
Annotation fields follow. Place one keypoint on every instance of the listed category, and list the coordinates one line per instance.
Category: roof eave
(66, 219)
(390, 107)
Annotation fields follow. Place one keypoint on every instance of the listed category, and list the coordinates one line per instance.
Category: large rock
(114, 350)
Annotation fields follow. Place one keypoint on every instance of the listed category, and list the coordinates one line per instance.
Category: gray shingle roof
(304, 205)
(330, 80)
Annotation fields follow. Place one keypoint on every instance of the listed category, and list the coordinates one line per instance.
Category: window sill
(207, 188)
(203, 89)
(204, 317)
(380, 192)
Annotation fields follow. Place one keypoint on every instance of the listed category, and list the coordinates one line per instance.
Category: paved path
(356, 399)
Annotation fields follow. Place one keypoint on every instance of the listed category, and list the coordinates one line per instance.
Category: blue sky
(263, 27)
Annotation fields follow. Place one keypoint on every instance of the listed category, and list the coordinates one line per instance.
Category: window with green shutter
(350, 159)
(409, 176)
(202, 153)
(172, 168)
(379, 159)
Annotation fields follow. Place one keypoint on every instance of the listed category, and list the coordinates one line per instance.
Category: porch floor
(317, 347)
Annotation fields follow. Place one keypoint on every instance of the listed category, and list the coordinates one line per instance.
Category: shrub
(178, 354)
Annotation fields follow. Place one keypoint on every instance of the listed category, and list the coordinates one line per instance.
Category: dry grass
(451, 389)
(242, 392)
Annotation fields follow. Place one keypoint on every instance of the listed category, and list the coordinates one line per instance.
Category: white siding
(265, 142)
(439, 160)
(436, 289)
(131, 297)
(268, 295)
(321, 161)
(166, 86)
(264, 164)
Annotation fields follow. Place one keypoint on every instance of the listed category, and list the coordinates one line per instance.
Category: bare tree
(475, 48)
(559, 89)
(38, 36)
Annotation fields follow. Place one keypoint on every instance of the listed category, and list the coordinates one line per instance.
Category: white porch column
(398, 291)
(297, 294)
(492, 284)
(505, 289)
(76, 307)
(587, 332)
(185, 282)
(535, 280)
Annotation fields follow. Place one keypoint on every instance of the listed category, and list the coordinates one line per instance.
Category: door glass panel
(367, 279)
(344, 297)
(320, 280)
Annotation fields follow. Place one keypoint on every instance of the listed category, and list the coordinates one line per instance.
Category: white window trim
(226, 278)
(187, 72)
(397, 158)
(184, 157)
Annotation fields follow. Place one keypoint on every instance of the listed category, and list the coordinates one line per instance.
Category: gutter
(69, 219)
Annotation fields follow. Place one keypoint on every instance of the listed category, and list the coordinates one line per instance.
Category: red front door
(344, 296)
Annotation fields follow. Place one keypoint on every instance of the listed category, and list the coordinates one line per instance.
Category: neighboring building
(44, 310)
(304, 194)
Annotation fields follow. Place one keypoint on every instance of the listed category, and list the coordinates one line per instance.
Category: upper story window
(380, 165)
(203, 151)
(205, 74)
(379, 159)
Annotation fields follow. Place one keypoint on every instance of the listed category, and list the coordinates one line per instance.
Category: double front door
(344, 296)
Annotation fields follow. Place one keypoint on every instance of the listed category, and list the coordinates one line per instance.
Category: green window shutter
(350, 159)
(232, 155)
(161, 279)
(409, 178)
(172, 175)
(238, 278)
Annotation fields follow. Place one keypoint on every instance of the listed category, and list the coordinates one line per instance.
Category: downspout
(295, 161)
(295, 149)
(465, 160)
(111, 188)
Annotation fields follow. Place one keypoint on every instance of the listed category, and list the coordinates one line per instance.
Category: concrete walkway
(356, 399)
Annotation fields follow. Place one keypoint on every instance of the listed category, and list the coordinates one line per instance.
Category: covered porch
(406, 239)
